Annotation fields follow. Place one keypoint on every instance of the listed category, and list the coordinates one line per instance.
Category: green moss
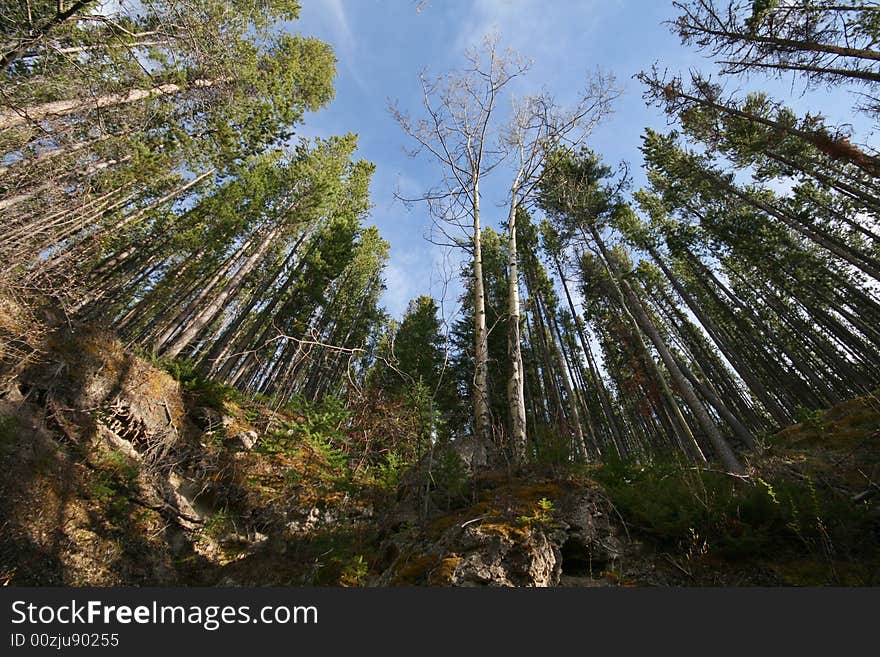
(443, 573)
(531, 492)
(293, 478)
(414, 570)
(508, 530)
(441, 524)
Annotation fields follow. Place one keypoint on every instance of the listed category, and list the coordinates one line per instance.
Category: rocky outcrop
(503, 558)
(346, 512)
(576, 536)
(475, 454)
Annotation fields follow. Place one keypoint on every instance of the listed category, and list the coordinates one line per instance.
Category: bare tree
(537, 127)
(456, 130)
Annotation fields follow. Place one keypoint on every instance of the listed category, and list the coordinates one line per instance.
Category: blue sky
(382, 45)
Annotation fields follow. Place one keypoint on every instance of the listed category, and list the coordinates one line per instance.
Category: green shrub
(550, 447)
(354, 573)
(335, 461)
(449, 477)
(543, 515)
(324, 417)
(317, 438)
(814, 420)
(387, 473)
(113, 483)
(316, 425)
(218, 524)
(211, 393)
(736, 519)
(293, 478)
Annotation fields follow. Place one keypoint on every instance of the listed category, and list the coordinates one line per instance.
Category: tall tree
(458, 116)
(538, 127)
(824, 40)
(108, 135)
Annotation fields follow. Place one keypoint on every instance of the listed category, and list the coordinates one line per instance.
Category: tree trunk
(600, 385)
(205, 316)
(570, 392)
(867, 264)
(839, 149)
(21, 47)
(202, 288)
(686, 437)
(13, 118)
(794, 44)
(821, 70)
(482, 418)
(515, 399)
(722, 448)
(751, 381)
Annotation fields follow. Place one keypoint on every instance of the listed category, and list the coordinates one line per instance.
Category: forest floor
(118, 470)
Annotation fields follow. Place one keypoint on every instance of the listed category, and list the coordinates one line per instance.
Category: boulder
(473, 452)
(592, 538)
(245, 439)
(486, 546)
(531, 558)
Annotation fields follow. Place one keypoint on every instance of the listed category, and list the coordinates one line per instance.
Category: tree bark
(13, 118)
(600, 385)
(515, 398)
(482, 418)
(686, 437)
(708, 324)
(722, 448)
(793, 44)
(206, 315)
(21, 47)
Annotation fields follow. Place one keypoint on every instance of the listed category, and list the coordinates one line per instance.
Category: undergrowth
(210, 392)
(739, 519)
(315, 442)
(113, 482)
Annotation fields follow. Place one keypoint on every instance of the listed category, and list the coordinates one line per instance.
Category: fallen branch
(465, 524)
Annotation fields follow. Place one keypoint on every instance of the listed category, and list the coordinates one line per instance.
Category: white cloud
(422, 269)
(530, 26)
(340, 23)
(334, 16)
(496, 16)
(399, 281)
